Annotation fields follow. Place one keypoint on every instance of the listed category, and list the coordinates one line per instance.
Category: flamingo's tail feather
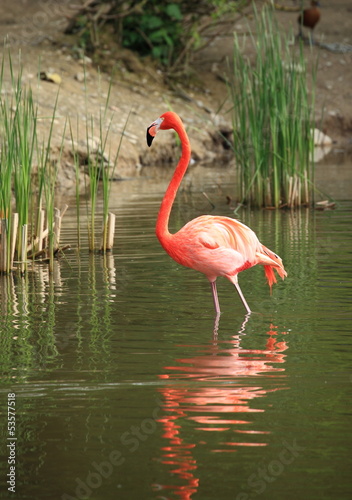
(271, 261)
(270, 276)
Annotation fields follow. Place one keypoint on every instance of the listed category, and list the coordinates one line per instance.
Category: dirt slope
(35, 28)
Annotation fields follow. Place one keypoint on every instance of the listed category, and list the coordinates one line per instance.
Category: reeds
(30, 224)
(21, 211)
(101, 167)
(17, 144)
(273, 120)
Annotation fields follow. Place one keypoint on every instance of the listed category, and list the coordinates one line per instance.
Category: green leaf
(157, 52)
(152, 22)
(173, 10)
(161, 37)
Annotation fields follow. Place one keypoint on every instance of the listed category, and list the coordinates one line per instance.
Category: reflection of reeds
(272, 120)
(19, 299)
(39, 316)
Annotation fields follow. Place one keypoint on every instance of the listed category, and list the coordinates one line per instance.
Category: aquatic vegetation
(30, 223)
(273, 120)
(101, 169)
(18, 119)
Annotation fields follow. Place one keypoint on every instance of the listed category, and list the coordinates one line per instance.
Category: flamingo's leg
(242, 297)
(215, 297)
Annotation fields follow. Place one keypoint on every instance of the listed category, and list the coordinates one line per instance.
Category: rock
(50, 77)
(325, 205)
(81, 76)
(85, 60)
(321, 139)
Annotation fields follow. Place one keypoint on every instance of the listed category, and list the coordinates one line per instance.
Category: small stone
(81, 76)
(321, 139)
(85, 60)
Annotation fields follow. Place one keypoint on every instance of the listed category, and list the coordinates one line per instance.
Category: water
(124, 387)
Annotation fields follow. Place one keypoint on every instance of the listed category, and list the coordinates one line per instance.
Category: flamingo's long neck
(162, 223)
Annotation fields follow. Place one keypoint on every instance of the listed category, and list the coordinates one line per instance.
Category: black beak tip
(150, 137)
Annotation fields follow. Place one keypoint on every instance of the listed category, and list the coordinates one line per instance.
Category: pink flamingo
(215, 246)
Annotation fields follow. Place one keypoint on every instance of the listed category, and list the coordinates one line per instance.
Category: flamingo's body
(215, 246)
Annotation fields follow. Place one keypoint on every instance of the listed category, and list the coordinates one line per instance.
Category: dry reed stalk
(104, 231)
(299, 191)
(306, 190)
(40, 229)
(45, 232)
(14, 229)
(294, 191)
(3, 246)
(289, 198)
(24, 234)
(57, 226)
(110, 231)
(57, 229)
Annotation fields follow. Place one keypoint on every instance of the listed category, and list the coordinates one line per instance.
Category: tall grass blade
(272, 117)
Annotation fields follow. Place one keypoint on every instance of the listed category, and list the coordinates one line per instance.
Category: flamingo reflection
(227, 384)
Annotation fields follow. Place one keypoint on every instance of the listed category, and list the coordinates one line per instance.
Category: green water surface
(123, 391)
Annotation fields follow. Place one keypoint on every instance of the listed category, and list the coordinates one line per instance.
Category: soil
(34, 30)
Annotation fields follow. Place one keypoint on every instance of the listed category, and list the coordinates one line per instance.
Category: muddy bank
(138, 96)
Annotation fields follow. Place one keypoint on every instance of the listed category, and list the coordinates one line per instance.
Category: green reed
(18, 119)
(7, 152)
(273, 119)
(47, 175)
(101, 167)
(95, 165)
(77, 174)
(28, 174)
(108, 174)
(20, 151)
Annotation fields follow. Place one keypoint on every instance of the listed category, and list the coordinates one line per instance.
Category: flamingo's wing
(214, 246)
(208, 241)
(229, 233)
(221, 246)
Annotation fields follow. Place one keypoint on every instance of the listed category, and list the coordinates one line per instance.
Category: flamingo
(215, 246)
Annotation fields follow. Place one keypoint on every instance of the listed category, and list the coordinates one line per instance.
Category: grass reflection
(27, 324)
(41, 314)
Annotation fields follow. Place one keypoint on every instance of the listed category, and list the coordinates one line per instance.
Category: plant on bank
(170, 31)
(18, 119)
(20, 150)
(101, 170)
(273, 119)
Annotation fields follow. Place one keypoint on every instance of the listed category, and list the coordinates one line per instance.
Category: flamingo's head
(164, 122)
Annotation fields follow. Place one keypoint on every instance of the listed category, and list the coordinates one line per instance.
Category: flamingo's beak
(152, 130)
